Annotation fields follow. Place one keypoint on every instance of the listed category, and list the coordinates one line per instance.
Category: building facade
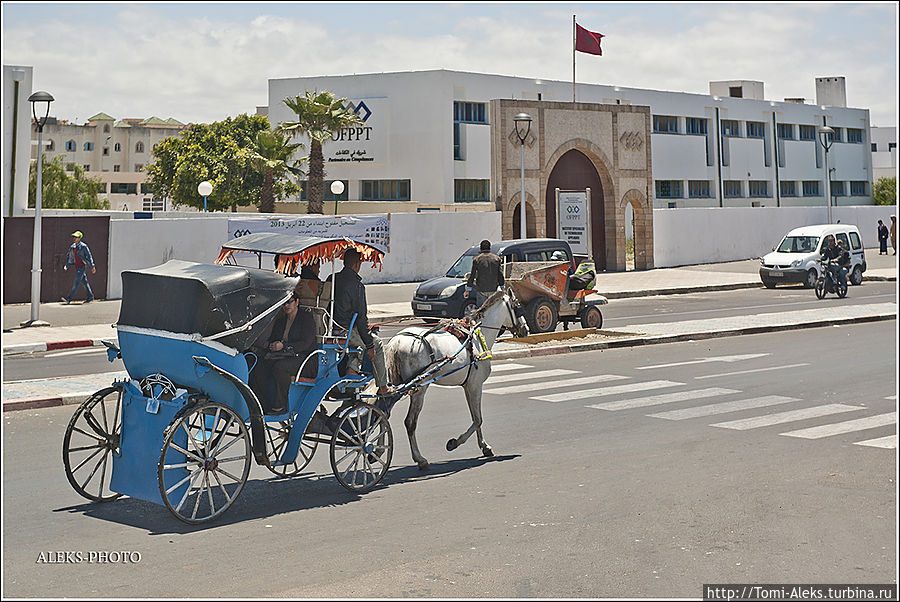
(427, 138)
(115, 151)
(884, 152)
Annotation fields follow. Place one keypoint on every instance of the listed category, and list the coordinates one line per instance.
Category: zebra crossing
(624, 393)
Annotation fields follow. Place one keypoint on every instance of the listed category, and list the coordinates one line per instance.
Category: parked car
(793, 260)
(442, 297)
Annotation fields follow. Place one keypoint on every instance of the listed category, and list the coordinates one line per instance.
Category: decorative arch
(643, 232)
(139, 147)
(511, 214)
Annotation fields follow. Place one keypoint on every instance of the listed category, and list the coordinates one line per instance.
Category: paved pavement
(722, 276)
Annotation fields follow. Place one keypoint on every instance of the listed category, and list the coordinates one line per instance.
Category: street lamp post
(826, 138)
(337, 188)
(205, 189)
(35, 99)
(523, 128)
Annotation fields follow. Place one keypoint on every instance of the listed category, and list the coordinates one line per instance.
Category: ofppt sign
(365, 143)
(573, 223)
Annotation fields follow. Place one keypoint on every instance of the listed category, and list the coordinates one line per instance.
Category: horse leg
(416, 401)
(473, 399)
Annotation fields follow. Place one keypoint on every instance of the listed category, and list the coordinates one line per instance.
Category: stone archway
(643, 234)
(512, 212)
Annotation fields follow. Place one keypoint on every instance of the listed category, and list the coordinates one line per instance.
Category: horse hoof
(488, 452)
(423, 465)
(452, 444)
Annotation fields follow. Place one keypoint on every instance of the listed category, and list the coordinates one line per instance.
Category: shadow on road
(262, 498)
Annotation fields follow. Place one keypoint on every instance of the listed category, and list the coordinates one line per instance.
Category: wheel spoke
(105, 420)
(212, 504)
(230, 443)
(86, 460)
(93, 472)
(199, 495)
(77, 449)
(213, 451)
(187, 453)
(180, 483)
(228, 474)
(91, 435)
(103, 473)
(222, 487)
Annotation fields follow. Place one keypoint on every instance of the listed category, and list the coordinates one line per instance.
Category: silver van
(793, 260)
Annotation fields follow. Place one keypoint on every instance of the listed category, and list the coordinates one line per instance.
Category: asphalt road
(579, 501)
(617, 314)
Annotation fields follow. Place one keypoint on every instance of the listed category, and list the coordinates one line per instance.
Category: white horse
(414, 350)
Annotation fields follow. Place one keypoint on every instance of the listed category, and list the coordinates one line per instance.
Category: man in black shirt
(349, 299)
(486, 274)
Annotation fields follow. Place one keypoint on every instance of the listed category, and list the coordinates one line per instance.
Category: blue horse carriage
(184, 427)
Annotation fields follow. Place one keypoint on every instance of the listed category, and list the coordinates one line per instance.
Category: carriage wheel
(91, 438)
(277, 434)
(362, 447)
(204, 463)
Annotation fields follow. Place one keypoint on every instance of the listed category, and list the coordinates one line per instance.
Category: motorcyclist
(830, 253)
(843, 262)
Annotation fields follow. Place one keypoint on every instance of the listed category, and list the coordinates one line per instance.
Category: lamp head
(205, 188)
(337, 187)
(40, 97)
(523, 126)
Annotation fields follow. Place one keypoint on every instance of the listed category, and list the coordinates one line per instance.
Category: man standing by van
(486, 274)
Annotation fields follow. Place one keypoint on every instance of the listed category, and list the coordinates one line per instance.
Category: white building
(884, 152)
(115, 151)
(426, 138)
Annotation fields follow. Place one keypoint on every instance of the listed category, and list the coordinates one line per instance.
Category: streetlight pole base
(28, 323)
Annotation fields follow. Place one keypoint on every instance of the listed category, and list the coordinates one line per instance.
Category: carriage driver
(349, 299)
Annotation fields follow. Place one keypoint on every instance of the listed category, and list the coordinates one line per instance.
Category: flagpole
(573, 59)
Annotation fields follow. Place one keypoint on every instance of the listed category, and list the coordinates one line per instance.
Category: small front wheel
(204, 463)
(91, 438)
(820, 288)
(362, 447)
(591, 317)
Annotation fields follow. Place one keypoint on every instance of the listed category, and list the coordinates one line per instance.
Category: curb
(53, 346)
(75, 398)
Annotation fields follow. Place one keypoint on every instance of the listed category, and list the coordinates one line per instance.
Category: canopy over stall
(196, 298)
(293, 250)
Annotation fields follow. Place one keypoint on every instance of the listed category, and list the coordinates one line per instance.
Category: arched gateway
(574, 146)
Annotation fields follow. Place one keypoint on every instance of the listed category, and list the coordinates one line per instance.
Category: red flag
(587, 41)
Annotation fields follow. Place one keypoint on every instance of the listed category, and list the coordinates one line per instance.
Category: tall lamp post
(38, 98)
(337, 188)
(523, 128)
(205, 189)
(826, 138)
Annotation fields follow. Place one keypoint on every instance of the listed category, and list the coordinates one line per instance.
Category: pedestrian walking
(882, 238)
(486, 275)
(894, 233)
(79, 255)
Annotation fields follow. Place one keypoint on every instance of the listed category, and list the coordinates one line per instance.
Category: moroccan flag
(587, 41)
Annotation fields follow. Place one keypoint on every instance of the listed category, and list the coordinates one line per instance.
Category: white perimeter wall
(423, 245)
(692, 236)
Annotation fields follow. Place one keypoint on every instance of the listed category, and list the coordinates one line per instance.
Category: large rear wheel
(820, 288)
(204, 463)
(541, 316)
(91, 439)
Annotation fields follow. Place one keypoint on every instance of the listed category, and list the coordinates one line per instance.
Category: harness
(467, 338)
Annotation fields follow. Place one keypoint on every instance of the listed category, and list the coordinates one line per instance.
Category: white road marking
(640, 402)
(507, 378)
(750, 371)
(507, 367)
(891, 397)
(601, 391)
(889, 442)
(542, 386)
(723, 408)
(722, 358)
(771, 419)
(839, 428)
(76, 352)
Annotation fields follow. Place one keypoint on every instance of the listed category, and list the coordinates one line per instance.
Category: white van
(793, 260)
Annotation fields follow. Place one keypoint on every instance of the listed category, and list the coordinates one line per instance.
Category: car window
(854, 240)
(462, 267)
(842, 236)
(798, 244)
(537, 256)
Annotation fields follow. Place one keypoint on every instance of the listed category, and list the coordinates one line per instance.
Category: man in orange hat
(79, 255)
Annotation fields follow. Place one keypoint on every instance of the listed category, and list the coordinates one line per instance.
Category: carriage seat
(314, 293)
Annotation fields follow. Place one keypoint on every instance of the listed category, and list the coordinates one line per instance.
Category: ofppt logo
(573, 209)
(360, 108)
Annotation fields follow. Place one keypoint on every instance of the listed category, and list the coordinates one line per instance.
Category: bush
(885, 191)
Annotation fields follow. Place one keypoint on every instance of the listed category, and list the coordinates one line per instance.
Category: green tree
(319, 116)
(62, 189)
(214, 152)
(885, 191)
(270, 156)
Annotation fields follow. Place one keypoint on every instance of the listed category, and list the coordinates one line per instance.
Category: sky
(202, 62)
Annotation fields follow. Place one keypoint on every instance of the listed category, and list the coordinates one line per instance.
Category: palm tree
(270, 155)
(319, 115)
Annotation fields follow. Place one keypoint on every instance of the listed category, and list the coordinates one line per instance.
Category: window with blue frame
(759, 188)
(788, 189)
(732, 189)
(70, 146)
(785, 131)
(756, 129)
(88, 146)
(384, 190)
(663, 124)
(469, 191)
(139, 147)
(807, 132)
(857, 188)
(854, 135)
(731, 128)
(811, 188)
(669, 189)
(465, 112)
(695, 125)
(838, 188)
(698, 189)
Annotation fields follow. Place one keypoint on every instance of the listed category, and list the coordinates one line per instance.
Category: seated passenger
(293, 338)
(311, 271)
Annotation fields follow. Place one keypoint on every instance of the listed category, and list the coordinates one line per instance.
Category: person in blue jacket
(79, 255)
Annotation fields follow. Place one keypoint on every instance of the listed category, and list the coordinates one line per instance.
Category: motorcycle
(826, 282)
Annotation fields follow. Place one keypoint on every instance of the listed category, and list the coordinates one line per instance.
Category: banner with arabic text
(371, 229)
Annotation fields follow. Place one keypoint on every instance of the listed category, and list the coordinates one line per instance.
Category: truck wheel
(591, 317)
(541, 316)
